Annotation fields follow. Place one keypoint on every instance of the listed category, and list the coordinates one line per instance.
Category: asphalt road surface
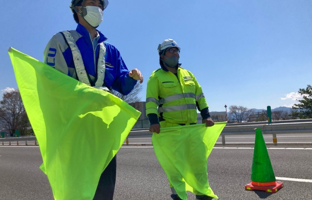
(140, 176)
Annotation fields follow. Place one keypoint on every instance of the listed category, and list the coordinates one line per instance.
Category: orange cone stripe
(264, 184)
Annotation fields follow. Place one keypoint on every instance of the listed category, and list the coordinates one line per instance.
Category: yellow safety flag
(79, 128)
(182, 151)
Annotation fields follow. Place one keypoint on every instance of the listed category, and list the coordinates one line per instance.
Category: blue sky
(250, 53)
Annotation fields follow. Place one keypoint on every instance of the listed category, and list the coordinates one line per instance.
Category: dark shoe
(204, 197)
(175, 197)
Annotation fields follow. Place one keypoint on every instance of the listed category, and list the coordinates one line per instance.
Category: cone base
(271, 189)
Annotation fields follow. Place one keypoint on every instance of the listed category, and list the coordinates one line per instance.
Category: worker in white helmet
(84, 55)
(173, 96)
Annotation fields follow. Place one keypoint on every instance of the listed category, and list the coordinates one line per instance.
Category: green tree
(239, 113)
(262, 116)
(12, 113)
(304, 107)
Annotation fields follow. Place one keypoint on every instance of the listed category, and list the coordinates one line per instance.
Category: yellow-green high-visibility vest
(174, 97)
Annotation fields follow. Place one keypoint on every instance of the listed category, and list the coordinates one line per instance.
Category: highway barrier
(274, 129)
(290, 127)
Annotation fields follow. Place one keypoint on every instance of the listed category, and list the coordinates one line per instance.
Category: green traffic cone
(262, 170)
(262, 174)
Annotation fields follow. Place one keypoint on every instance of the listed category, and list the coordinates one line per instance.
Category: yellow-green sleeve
(200, 98)
(152, 95)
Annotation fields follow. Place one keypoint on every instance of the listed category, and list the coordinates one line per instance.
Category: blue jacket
(58, 55)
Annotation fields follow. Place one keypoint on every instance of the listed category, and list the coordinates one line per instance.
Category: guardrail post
(274, 139)
(17, 143)
(223, 140)
(26, 143)
(10, 143)
(35, 142)
(127, 141)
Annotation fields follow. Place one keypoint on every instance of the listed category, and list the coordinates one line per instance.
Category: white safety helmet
(167, 43)
(79, 2)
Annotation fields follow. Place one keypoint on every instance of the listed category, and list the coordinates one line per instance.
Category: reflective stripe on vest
(80, 68)
(172, 98)
(176, 108)
(176, 97)
(151, 99)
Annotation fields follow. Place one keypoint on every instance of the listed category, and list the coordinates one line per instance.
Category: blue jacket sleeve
(117, 73)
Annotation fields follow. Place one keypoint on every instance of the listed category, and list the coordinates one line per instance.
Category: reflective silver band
(101, 66)
(80, 68)
(77, 58)
(176, 97)
(151, 99)
(199, 96)
(176, 108)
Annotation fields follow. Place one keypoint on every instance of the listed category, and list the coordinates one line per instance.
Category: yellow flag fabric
(79, 128)
(182, 151)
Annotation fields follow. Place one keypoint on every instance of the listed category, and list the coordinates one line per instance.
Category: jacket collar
(84, 32)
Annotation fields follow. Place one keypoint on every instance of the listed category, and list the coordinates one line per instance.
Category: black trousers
(106, 187)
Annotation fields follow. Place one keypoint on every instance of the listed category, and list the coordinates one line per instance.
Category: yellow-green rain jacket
(174, 98)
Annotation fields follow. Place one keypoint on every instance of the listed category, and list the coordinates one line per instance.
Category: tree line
(243, 114)
(13, 116)
(301, 110)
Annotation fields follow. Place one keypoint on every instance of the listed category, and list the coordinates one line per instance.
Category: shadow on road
(263, 195)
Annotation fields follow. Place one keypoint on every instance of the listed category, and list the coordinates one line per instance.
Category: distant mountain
(281, 108)
(257, 110)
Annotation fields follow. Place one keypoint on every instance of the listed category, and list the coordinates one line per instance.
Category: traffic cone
(262, 175)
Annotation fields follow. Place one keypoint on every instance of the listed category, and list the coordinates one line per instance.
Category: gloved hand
(208, 122)
(155, 128)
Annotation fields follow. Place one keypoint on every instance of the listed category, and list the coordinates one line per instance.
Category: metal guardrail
(273, 122)
(18, 139)
(276, 128)
(230, 129)
(298, 127)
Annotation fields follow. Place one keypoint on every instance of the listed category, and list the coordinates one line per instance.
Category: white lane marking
(136, 147)
(141, 131)
(294, 179)
(230, 148)
(238, 143)
(295, 136)
(268, 136)
(270, 148)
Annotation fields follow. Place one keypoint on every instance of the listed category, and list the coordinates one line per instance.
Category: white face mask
(94, 15)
